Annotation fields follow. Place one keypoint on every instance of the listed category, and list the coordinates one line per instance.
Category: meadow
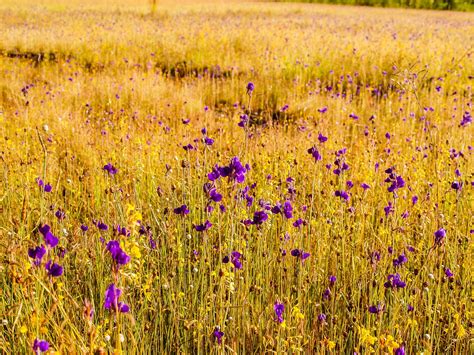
(228, 177)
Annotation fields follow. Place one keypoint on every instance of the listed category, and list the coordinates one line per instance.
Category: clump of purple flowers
(218, 334)
(50, 240)
(300, 253)
(203, 227)
(396, 181)
(394, 281)
(279, 308)
(37, 254)
(112, 294)
(53, 269)
(315, 153)
(40, 346)
(235, 171)
(118, 255)
(234, 259)
(182, 210)
(112, 170)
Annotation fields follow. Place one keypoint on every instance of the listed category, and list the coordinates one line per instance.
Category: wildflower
(365, 186)
(215, 196)
(112, 294)
(322, 138)
(410, 308)
(244, 119)
(299, 222)
(287, 209)
(110, 169)
(279, 308)
(327, 294)
(250, 88)
(84, 228)
(466, 119)
(182, 210)
(259, 217)
(388, 209)
(123, 231)
(235, 259)
(394, 281)
(332, 280)
(342, 194)
(208, 141)
(50, 240)
(315, 153)
(376, 309)
(299, 253)
(322, 318)
(399, 351)
(440, 234)
(322, 110)
(218, 334)
(102, 226)
(118, 255)
(40, 346)
(203, 227)
(456, 185)
(284, 108)
(37, 254)
(448, 272)
(54, 269)
(402, 259)
(60, 214)
(395, 180)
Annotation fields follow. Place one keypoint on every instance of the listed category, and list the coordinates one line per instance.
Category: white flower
(107, 337)
(46, 128)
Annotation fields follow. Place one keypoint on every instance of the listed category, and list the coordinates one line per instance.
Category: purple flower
(399, 351)
(218, 334)
(277, 208)
(54, 270)
(448, 272)
(203, 227)
(244, 119)
(410, 308)
(326, 294)
(259, 217)
(279, 308)
(37, 254)
(250, 88)
(50, 240)
(354, 116)
(394, 281)
(123, 231)
(182, 210)
(332, 280)
(466, 119)
(60, 214)
(388, 209)
(322, 318)
(84, 228)
(440, 234)
(322, 138)
(40, 346)
(110, 169)
(376, 309)
(365, 186)
(299, 253)
(118, 255)
(298, 223)
(456, 186)
(284, 108)
(414, 200)
(111, 302)
(208, 141)
(287, 209)
(322, 110)
(349, 184)
(235, 259)
(215, 196)
(342, 194)
(102, 226)
(402, 259)
(47, 188)
(396, 181)
(315, 153)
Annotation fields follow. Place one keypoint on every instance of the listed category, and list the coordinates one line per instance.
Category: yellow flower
(365, 337)
(23, 329)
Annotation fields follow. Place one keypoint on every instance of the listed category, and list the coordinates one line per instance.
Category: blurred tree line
(462, 5)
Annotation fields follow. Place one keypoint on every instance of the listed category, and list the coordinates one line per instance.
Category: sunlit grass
(82, 87)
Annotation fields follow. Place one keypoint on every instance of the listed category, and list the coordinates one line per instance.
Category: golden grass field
(115, 115)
